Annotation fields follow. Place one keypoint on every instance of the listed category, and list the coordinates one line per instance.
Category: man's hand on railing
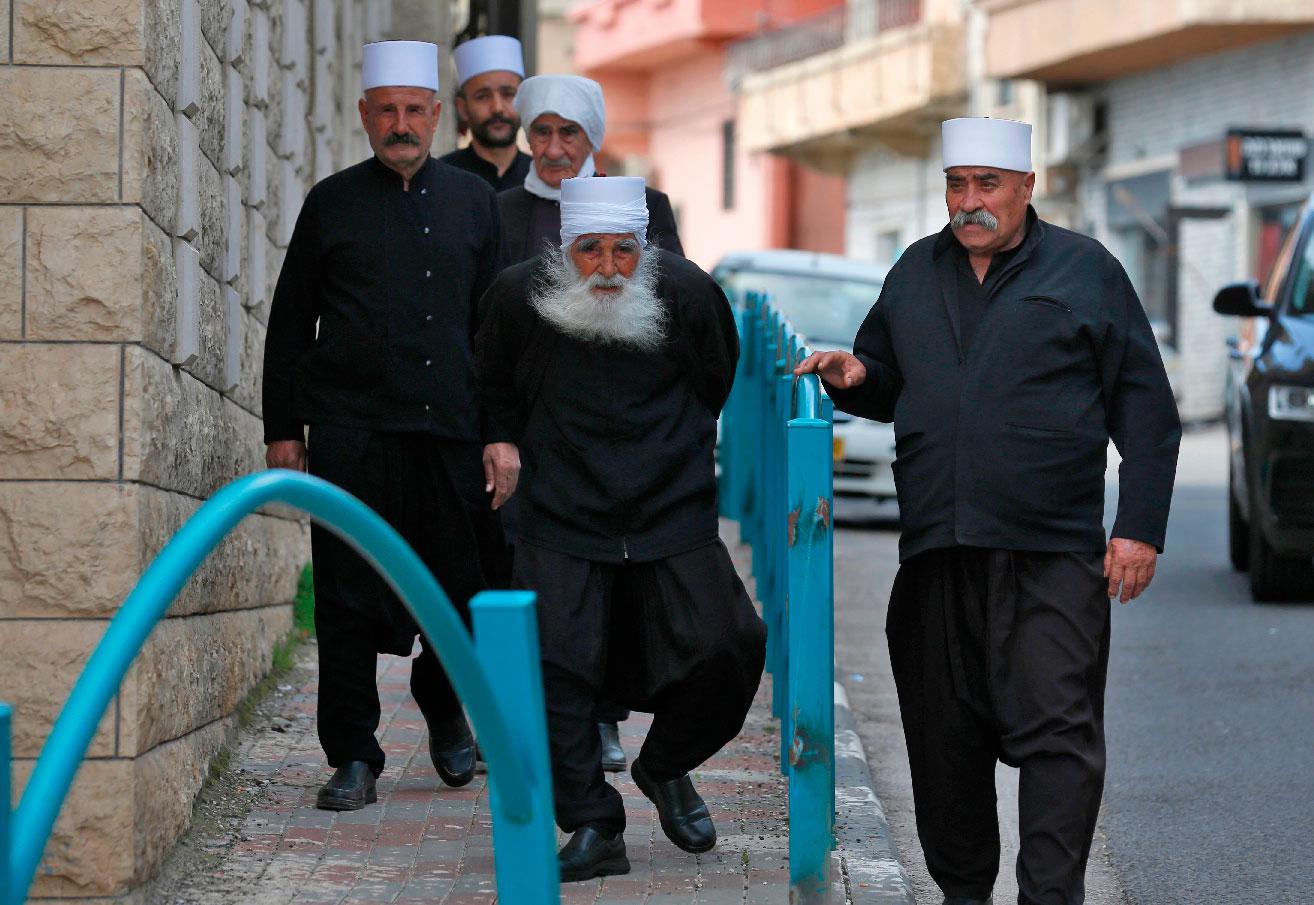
(501, 471)
(286, 454)
(839, 369)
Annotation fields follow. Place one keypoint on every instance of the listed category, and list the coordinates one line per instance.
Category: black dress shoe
(350, 789)
(452, 748)
(591, 853)
(967, 900)
(613, 755)
(682, 811)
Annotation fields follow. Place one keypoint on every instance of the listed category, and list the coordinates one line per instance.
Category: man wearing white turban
(565, 119)
(637, 597)
(1008, 352)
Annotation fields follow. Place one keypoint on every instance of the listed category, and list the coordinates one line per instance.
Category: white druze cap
(399, 64)
(979, 141)
(491, 53)
(603, 204)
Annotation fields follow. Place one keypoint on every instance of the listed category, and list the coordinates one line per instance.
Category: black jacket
(523, 234)
(1005, 446)
(467, 159)
(617, 446)
(374, 314)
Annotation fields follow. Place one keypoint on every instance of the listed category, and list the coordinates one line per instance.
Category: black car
(1270, 423)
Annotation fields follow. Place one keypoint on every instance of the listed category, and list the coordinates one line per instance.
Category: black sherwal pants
(1002, 655)
(677, 637)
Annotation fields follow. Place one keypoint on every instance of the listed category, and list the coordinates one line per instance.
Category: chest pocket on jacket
(1045, 375)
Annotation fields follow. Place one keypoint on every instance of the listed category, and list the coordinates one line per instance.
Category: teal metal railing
(776, 481)
(497, 677)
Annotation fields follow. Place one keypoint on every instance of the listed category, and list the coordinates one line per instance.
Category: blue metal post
(6, 715)
(811, 649)
(506, 643)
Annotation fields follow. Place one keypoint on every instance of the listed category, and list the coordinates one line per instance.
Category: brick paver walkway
(424, 842)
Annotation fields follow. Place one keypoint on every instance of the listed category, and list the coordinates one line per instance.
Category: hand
(839, 369)
(1129, 563)
(501, 471)
(286, 454)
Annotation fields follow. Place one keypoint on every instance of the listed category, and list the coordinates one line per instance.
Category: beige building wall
(153, 157)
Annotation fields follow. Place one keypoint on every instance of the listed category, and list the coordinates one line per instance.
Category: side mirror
(1242, 300)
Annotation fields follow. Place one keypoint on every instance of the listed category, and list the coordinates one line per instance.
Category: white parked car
(825, 297)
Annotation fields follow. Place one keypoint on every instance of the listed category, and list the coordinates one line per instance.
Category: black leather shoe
(452, 748)
(350, 789)
(967, 900)
(613, 755)
(682, 811)
(591, 853)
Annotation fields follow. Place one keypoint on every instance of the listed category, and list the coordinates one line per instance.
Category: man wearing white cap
(1008, 352)
(488, 73)
(565, 120)
(608, 360)
(369, 344)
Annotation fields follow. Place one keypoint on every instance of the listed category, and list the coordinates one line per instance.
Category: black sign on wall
(1266, 155)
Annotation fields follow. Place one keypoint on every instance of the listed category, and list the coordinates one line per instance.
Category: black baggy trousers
(431, 490)
(677, 637)
(1002, 655)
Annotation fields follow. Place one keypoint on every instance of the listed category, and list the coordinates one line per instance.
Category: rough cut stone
(215, 19)
(210, 117)
(195, 670)
(252, 364)
(84, 273)
(59, 129)
(42, 661)
(163, 43)
(159, 288)
(87, 32)
(257, 264)
(150, 151)
(212, 321)
(66, 549)
(59, 413)
(179, 434)
(11, 272)
(212, 243)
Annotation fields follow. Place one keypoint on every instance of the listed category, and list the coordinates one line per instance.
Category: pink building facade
(672, 117)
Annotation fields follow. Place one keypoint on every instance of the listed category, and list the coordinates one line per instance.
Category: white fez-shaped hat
(571, 97)
(491, 53)
(611, 205)
(399, 64)
(978, 141)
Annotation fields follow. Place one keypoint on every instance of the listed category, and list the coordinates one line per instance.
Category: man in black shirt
(608, 362)
(1008, 352)
(489, 71)
(369, 343)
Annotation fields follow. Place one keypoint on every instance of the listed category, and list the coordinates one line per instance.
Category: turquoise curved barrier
(497, 678)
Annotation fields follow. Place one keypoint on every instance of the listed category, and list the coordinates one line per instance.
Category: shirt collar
(423, 176)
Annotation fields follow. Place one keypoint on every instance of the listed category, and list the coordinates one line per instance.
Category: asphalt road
(1210, 787)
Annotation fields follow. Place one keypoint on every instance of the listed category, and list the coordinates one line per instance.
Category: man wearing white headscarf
(1008, 352)
(488, 74)
(608, 360)
(369, 346)
(565, 119)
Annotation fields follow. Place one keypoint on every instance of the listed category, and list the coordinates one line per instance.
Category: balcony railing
(808, 37)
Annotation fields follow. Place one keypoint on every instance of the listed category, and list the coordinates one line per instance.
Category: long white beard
(634, 316)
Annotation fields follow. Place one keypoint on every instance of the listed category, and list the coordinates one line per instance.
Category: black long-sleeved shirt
(617, 445)
(391, 278)
(467, 159)
(1003, 443)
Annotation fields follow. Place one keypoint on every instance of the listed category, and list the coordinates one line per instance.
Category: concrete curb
(869, 861)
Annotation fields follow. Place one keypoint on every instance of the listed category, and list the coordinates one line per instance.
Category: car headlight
(1286, 403)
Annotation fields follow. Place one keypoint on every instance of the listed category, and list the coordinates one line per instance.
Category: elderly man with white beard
(608, 361)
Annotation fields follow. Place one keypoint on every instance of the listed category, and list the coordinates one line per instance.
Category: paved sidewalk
(257, 837)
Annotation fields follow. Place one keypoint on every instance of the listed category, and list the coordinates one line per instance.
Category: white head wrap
(978, 141)
(613, 205)
(572, 98)
(491, 53)
(399, 64)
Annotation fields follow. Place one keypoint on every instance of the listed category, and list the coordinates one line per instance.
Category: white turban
(612, 205)
(399, 64)
(491, 53)
(979, 141)
(571, 97)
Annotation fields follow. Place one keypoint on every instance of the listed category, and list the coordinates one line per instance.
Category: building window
(888, 248)
(1139, 229)
(728, 165)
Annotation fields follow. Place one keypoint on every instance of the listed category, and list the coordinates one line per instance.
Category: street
(1210, 715)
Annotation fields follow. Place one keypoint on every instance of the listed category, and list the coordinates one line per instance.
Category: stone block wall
(153, 158)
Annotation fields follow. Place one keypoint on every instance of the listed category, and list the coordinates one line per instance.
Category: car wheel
(1274, 577)
(1238, 532)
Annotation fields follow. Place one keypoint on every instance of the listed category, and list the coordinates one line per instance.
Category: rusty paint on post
(793, 524)
(823, 513)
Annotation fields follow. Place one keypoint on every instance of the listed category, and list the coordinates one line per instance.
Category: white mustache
(979, 217)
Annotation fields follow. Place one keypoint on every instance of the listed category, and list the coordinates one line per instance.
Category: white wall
(891, 193)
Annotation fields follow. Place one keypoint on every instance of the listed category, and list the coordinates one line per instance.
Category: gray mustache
(398, 138)
(979, 217)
